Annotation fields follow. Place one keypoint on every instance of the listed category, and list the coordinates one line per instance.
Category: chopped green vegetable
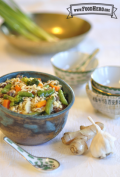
(33, 81)
(25, 94)
(49, 105)
(62, 97)
(25, 80)
(14, 100)
(6, 88)
(45, 93)
(18, 99)
(46, 86)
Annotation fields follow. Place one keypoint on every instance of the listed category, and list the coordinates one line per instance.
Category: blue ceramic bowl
(29, 130)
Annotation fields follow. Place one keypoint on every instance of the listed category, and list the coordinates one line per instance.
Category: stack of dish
(103, 90)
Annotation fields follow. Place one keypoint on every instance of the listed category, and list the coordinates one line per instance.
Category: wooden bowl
(70, 32)
(34, 130)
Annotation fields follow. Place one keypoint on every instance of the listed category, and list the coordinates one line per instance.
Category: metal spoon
(44, 164)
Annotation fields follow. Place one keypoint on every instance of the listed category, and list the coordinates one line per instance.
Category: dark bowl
(29, 130)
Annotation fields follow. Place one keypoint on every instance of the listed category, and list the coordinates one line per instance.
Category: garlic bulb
(102, 143)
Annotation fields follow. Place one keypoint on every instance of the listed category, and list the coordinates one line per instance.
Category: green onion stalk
(21, 23)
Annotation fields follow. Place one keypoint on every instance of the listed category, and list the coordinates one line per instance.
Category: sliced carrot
(18, 80)
(6, 103)
(17, 88)
(57, 88)
(40, 84)
(41, 104)
(39, 79)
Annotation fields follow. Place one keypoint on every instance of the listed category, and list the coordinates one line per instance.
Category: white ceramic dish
(107, 79)
(64, 60)
(108, 105)
(96, 90)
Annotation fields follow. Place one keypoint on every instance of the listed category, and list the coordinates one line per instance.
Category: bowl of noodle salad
(33, 106)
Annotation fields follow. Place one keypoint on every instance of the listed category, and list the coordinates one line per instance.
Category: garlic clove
(100, 146)
(102, 143)
(90, 131)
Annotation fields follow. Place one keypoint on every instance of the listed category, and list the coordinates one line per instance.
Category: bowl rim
(37, 13)
(107, 87)
(7, 111)
(100, 95)
(101, 91)
(69, 71)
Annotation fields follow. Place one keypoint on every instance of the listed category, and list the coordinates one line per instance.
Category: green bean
(62, 97)
(8, 97)
(45, 93)
(34, 113)
(49, 105)
(6, 88)
(12, 104)
(25, 94)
